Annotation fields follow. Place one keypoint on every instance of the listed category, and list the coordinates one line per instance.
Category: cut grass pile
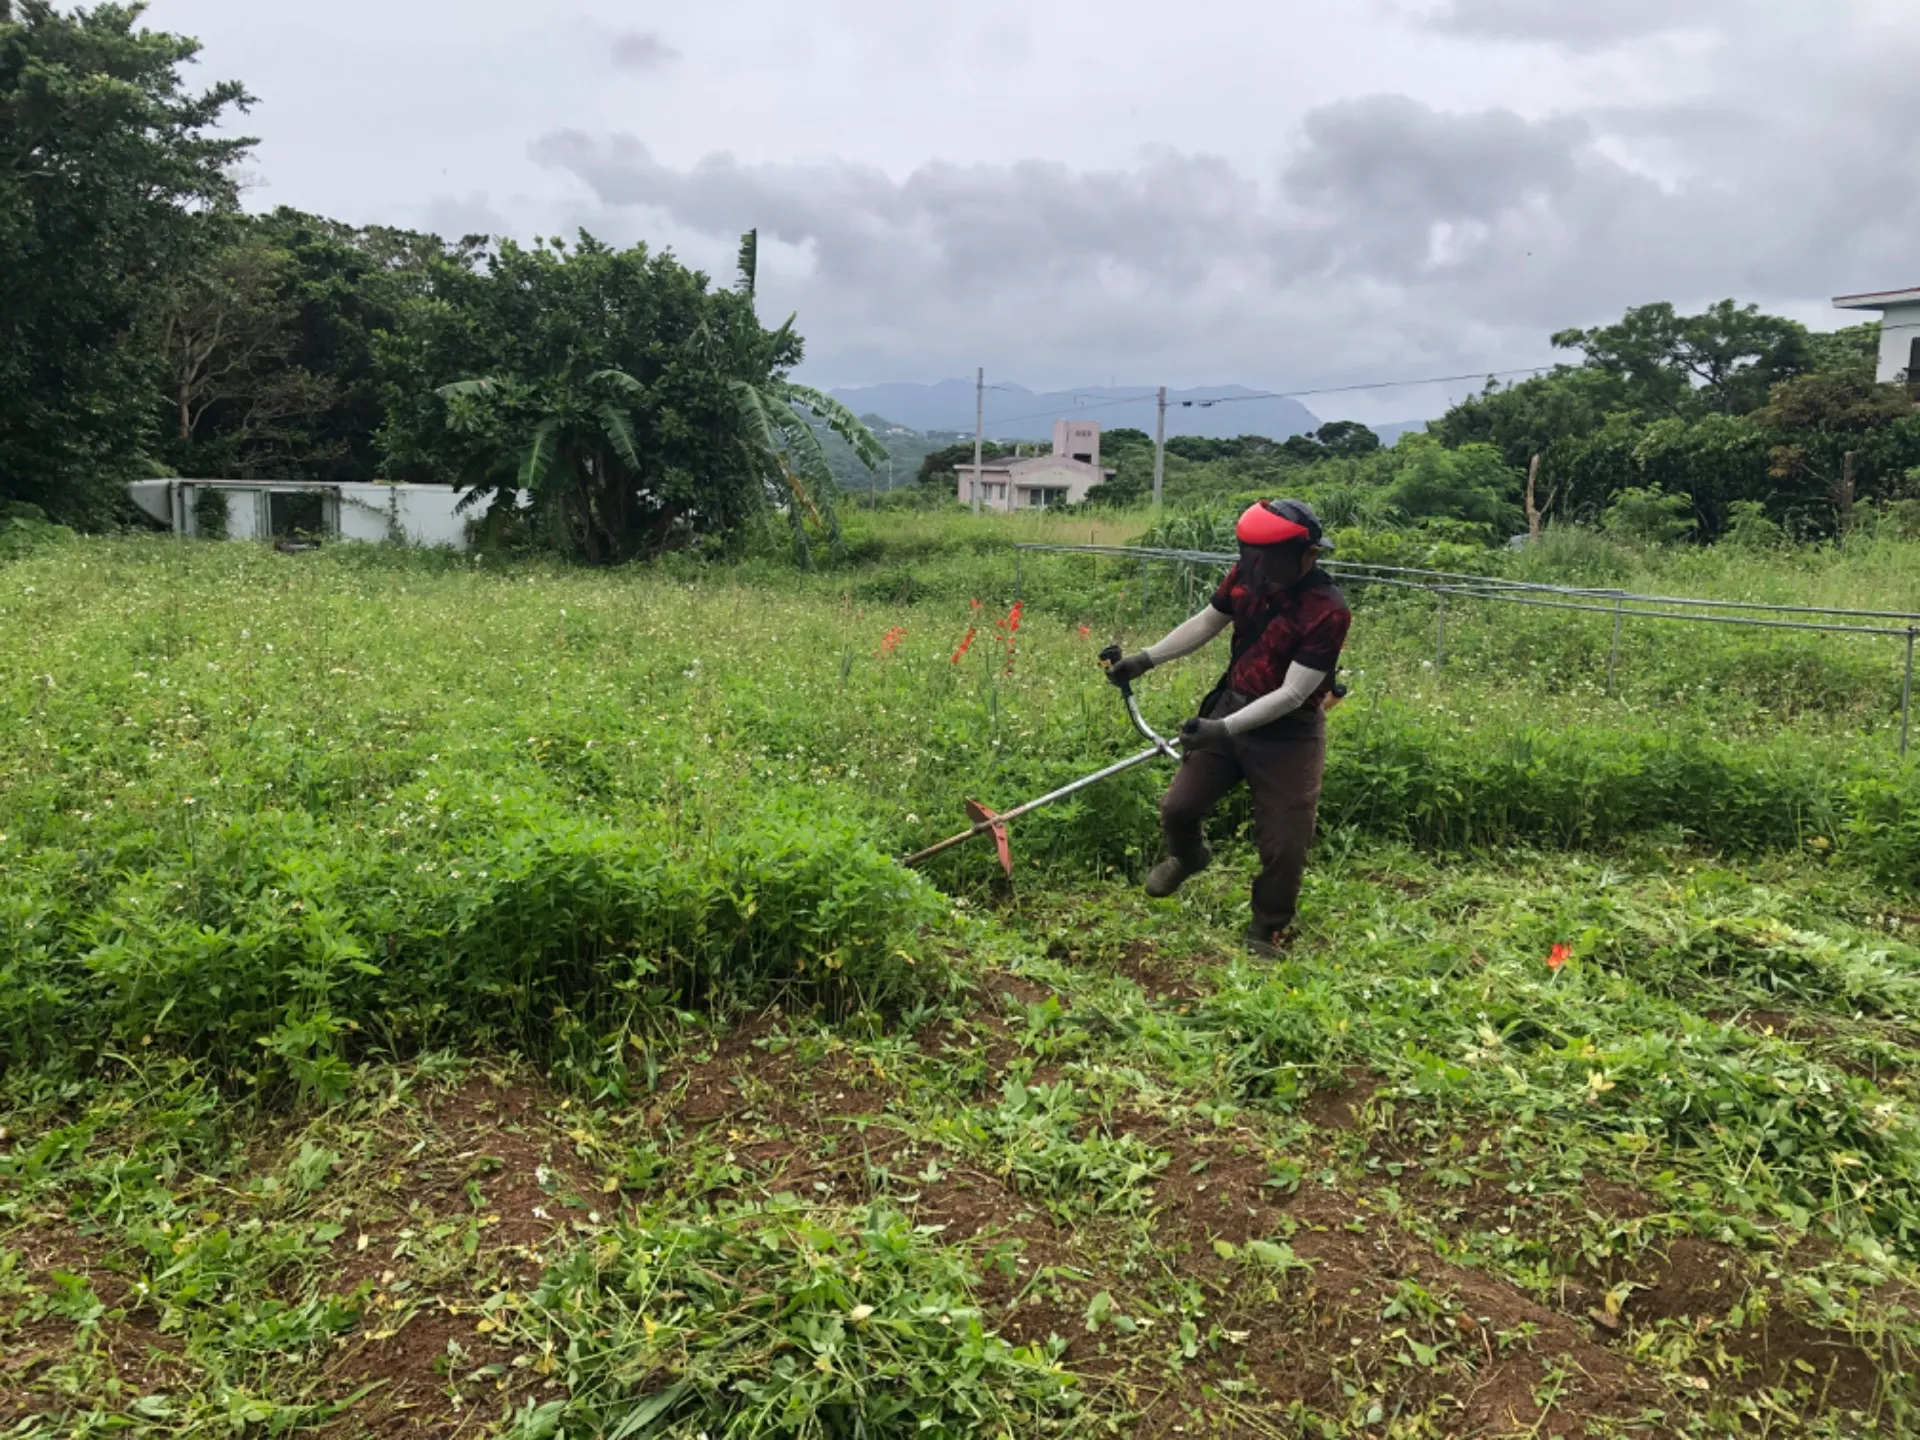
(435, 1001)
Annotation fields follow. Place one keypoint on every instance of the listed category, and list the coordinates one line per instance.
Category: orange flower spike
(1557, 957)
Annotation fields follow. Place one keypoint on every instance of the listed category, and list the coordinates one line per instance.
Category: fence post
(1906, 693)
(1613, 660)
(1440, 632)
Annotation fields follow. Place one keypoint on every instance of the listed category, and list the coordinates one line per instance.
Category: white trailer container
(376, 512)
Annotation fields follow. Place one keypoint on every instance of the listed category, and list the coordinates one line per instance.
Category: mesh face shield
(1271, 567)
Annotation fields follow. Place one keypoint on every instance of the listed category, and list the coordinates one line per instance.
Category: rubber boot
(1269, 946)
(1171, 873)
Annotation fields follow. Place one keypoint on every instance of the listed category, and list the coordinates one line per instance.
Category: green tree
(1817, 419)
(346, 286)
(239, 404)
(1347, 439)
(1854, 347)
(1715, 462)
(1750, 528)
(1724, 359)
(1526, 419)
(107, 163)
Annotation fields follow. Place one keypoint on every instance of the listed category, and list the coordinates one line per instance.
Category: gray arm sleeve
(1189, 636)
(1294, 692)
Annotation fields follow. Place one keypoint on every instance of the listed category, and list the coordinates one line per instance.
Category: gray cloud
(1387, 242)
(640, 51)
(1582, 25)
(1393, 237)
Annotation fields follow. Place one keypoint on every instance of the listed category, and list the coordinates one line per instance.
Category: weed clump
(782, 1320)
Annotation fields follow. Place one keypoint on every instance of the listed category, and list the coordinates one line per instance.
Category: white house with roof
(1899, 330)
(1040, 482)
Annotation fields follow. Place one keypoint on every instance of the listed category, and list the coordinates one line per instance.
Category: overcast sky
(1281, 193)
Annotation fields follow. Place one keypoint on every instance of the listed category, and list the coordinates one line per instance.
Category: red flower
(966, 644)
(891, 640)
(1008, 628)
(1558, 956)
(976, 603)
(1085, 631)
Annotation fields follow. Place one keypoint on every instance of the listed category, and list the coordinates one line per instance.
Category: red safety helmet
(1281, 522)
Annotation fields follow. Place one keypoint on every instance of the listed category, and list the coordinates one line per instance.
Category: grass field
(441, 997)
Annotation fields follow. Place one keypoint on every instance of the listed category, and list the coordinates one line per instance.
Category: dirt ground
(1381, 1305)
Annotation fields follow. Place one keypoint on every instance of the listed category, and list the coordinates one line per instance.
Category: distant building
(1040, 482)
(1899, 330)
(290, 509)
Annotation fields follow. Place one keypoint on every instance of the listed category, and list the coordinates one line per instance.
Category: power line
(1054, 414)
(1374, 385)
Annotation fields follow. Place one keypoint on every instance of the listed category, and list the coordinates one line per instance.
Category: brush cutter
(989, 822)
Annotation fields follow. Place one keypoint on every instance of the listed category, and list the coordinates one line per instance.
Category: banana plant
(576, 455)
(779, 419)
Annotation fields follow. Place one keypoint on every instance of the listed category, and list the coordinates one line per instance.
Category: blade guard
(981, 815)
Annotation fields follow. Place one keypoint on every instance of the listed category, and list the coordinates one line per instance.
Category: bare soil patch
(1343, 1105)
(124, 1341)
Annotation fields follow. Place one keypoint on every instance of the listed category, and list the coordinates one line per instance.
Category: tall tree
(347, 285)
(226, 334)
(1724, 359)
(106, 162)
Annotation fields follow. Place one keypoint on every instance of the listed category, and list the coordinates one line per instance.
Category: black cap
(1302, 515)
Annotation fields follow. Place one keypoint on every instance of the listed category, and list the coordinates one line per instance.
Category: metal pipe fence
(1622, 605)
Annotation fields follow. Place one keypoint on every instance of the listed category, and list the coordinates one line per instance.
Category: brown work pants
(1282, 764)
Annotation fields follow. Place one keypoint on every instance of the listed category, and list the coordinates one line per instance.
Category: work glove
(1204, 734)
(1131, 668)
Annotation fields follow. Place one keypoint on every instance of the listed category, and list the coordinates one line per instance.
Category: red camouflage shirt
(1309, 624)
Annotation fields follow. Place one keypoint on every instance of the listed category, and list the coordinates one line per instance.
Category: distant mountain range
(1016, 413)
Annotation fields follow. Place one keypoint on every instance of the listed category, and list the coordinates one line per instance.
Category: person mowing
(1265, 722)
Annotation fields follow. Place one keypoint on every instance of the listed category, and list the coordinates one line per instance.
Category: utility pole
(979, 429)
(1160, 450)
(1533, 513)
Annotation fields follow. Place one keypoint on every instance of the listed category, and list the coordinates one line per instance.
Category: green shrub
(280, 935)
(1650, 515)
(25, 528)
(1749, 528)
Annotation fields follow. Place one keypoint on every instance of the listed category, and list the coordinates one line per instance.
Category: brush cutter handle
(1110, 657)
